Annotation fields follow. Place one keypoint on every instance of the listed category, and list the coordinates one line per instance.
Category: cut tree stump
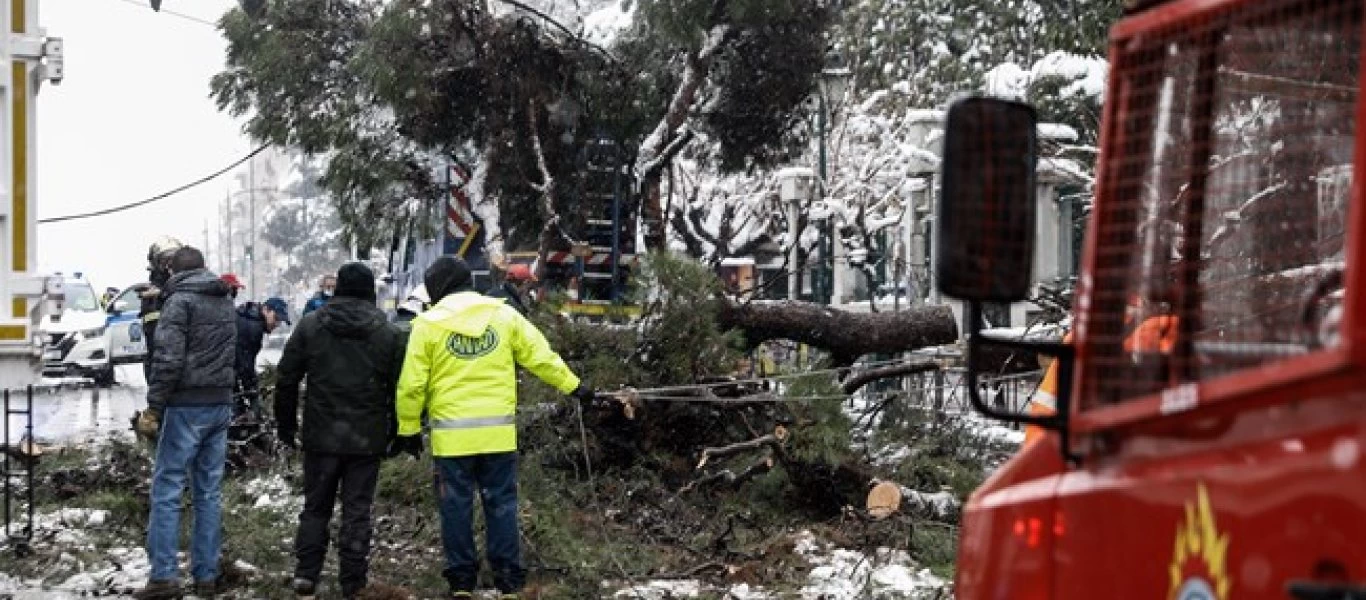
(884, 500)
(845, 335)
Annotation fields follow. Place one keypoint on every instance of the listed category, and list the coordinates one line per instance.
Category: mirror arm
(1065, 355)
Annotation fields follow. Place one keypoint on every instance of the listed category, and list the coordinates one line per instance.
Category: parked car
(124, 341)
(75, 344)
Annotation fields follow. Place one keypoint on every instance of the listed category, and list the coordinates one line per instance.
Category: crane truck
(1209, 434)
(25, 294)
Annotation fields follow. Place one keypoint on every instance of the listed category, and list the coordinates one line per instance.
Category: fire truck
(1224, 456)
(596, 275)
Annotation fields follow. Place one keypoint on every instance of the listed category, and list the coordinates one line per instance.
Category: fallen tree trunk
(845, 335)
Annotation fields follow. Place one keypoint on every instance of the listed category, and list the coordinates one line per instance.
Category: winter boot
(304, 588)
(162, 589)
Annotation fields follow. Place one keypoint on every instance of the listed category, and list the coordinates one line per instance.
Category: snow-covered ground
(74, 536)
(836, 574)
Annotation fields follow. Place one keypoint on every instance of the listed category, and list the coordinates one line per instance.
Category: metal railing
(944, 391)
(18, 530)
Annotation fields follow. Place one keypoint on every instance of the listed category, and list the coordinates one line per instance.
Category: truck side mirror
(986, 236)
(986, 210)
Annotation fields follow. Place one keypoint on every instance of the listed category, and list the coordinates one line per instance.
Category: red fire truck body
(1231, 464)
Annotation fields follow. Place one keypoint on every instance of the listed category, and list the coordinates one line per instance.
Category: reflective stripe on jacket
(1044, 402)
(460, 367)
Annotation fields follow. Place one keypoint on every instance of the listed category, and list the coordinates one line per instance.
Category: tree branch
(698, 65)
(485, 204)
(772, 440)
(553, 228)
(558, 25)
(667, 155)
(854, 383)
(731, 478)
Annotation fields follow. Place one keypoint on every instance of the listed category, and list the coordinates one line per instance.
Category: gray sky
(132, 119)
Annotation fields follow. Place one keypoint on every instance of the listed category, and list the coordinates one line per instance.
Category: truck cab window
(1225, 216)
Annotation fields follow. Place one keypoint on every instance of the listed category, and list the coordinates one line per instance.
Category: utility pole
(818, 291)
(251, 197)
(206, 238)
(227, 208)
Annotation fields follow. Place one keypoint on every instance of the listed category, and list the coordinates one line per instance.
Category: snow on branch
(485, 204)
(1234, 218)
(553, 227)
(694, 76)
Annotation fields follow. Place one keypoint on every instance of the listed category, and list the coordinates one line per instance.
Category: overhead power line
(191, 18)
(161, 196)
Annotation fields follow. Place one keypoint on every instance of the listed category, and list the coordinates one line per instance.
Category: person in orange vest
(1155, 334)
(1044, 402)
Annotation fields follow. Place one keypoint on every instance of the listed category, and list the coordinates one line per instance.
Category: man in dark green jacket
(351, 356)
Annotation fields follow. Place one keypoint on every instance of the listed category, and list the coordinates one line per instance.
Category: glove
(583, 393)
(412, 444)
(149, 423)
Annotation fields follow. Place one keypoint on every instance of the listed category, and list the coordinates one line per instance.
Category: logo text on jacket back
(467, 347)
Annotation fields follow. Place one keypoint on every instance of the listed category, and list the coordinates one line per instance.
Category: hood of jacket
(465, 313)
(350, 317)
(198, 281)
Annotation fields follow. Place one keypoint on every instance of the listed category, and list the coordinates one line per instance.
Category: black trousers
(355, 477)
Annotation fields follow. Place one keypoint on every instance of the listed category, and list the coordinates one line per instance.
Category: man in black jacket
(351, 356)
(189, 406)
(254, 321)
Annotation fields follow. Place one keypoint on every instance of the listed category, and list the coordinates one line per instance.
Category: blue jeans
(193, 445)
(495, 477)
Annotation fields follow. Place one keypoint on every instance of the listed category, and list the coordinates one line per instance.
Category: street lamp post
(833, 83)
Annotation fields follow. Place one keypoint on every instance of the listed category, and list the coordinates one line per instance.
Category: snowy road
(74, 413)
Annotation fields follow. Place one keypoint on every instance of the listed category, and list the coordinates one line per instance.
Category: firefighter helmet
(162, 248)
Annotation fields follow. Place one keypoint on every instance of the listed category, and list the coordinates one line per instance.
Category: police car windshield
(80, 296)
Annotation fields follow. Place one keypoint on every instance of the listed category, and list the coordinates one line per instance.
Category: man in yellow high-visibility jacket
(460, 367)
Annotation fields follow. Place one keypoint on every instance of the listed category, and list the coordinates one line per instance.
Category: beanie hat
(355, 280)
(449, 274)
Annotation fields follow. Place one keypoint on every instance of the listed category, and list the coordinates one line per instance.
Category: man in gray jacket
(189, 401)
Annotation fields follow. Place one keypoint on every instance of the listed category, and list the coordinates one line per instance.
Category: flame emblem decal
(1199, 562)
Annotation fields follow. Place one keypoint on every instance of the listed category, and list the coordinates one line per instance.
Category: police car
(74, 335)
